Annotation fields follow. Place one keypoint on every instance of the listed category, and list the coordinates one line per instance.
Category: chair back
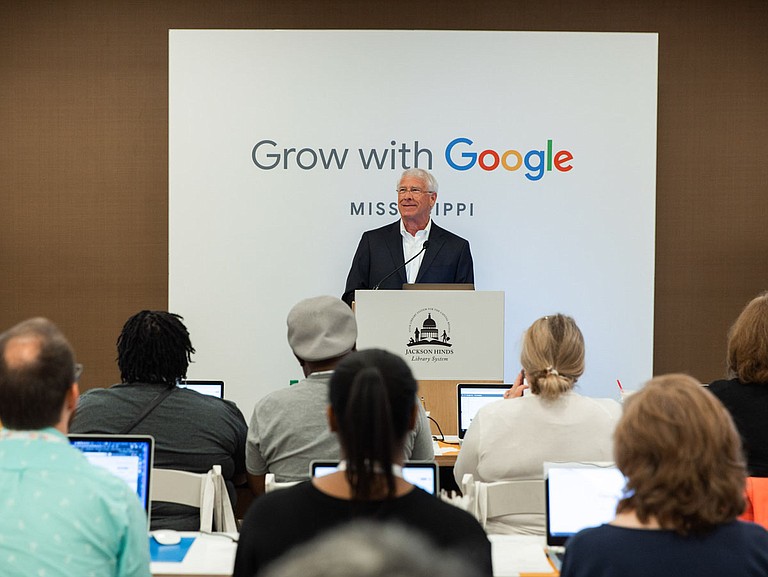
(205, 491)
(488, 500)
(271, 485)
(757, 501)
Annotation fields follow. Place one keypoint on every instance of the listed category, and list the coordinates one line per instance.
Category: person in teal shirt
(60, 516)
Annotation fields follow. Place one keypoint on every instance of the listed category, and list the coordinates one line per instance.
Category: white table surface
(209, 556)
(214, 556)
(514, 555)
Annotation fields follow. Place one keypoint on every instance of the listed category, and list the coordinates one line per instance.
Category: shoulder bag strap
(148, 409)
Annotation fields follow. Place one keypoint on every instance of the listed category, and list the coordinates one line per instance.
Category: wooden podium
(446, 337)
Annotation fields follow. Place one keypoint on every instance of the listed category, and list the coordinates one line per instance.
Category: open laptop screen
(423, 475)
(471, 397)
(580, 495)
(128, 457)
(212, 388)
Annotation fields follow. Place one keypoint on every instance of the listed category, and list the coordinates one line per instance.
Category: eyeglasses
(78, 371)
(415, 191)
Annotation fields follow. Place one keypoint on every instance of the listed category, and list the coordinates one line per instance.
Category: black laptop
(212, 388)
(424, 475)
(472, 397)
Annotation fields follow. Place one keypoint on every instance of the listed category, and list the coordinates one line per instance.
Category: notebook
(473, 396)
(128, 457)
(580, 495)
(423, 475)
(212, 388)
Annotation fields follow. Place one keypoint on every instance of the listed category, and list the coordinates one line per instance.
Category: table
(211, 555)
(445, 457)
(446, 452)
(214, 556)
(520, 556)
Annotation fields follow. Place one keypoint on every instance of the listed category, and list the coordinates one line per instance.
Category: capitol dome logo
(427, 330)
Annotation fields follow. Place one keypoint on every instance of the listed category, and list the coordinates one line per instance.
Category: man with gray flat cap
(289, 427)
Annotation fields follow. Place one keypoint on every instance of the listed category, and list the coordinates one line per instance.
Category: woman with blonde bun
(510, 439)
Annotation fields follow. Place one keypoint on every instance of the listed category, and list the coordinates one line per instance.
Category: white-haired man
(382, 252)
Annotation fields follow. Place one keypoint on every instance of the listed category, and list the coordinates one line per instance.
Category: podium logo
(430, 336)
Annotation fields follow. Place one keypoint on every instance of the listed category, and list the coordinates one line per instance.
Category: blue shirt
(61, 516)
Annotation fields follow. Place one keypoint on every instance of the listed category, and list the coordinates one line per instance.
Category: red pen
(618, 382)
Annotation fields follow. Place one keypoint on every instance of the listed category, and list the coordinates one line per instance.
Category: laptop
(471, 397)
(424, 475)
(578, 496)
(212, 388)
(129, 457)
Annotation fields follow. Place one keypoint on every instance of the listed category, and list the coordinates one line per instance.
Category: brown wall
(83, 168)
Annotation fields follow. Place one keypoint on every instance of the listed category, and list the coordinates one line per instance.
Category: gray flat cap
(321, 328)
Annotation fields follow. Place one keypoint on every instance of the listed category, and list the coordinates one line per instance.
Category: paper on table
(519, 555)
(444, 449)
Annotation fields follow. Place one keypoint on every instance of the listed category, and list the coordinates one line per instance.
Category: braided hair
(154, 347)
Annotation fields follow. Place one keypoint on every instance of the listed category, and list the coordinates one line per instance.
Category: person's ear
(72, 397)
(332, 424)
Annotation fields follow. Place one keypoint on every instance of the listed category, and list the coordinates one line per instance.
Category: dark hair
(154, 347)
(364, 548)
(33, 389)
(372, 393)
(681, 454)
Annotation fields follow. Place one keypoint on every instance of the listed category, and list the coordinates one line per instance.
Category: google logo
(535, 161)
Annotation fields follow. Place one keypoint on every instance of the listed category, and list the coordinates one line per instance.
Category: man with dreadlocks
(192, 432)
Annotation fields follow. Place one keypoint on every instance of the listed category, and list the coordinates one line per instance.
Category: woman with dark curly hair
(681, 454)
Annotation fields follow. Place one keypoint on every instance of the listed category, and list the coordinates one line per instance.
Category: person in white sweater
(510, 439)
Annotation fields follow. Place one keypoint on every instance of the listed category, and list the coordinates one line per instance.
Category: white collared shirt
(411, 246)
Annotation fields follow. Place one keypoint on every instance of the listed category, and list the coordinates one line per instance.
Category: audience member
(59, 515)
(366, 549)
(373, 405)
(289, 427)
(510, 440)
(192, 431)
(745, 393)
(681, 454)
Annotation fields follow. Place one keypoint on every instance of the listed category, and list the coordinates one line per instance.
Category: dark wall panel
(83, 169)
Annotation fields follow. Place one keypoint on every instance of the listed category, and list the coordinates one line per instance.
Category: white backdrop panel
(249, 239)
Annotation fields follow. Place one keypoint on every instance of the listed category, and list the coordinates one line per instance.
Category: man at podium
(413, 249)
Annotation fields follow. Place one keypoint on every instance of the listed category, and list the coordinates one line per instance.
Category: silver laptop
(472, 397)
(129, 457)
(579, 495)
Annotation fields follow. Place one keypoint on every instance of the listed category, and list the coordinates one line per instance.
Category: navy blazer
(446, 260)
